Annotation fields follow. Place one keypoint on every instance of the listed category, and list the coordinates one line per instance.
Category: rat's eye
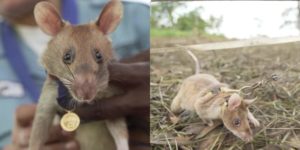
(68, 57)
(98, 56)
(236, 122)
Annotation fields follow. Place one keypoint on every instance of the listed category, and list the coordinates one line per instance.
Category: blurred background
(220, 20)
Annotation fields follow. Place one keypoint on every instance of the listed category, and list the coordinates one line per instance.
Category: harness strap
(14, 55)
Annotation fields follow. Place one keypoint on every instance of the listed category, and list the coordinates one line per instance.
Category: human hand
(134, 78)
(58, 139)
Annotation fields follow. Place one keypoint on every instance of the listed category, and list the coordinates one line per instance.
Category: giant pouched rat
(213, 100)
(77, 57)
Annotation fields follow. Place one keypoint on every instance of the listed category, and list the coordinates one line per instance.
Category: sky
(248, 19)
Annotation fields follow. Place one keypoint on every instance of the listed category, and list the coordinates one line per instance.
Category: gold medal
(70, 121)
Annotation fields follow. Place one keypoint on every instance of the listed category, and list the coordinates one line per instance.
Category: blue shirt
(130, 37)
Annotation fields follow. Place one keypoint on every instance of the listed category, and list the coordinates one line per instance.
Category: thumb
(132, 102)
(113, 107)
(108, 108)
(25, 114)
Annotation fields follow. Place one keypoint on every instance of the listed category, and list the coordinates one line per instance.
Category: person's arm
(143, 56)
(58, 139)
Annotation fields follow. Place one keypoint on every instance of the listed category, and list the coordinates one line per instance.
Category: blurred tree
(194, 21)
(164, 10)
(166, 20)
(191, 21)
(214, 22)
(155, 16)
(295, 21)
(298, 16)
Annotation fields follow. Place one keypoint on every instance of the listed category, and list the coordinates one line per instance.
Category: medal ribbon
(14, 54)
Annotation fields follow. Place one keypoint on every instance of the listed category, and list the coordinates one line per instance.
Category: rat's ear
(48, 18)
(234, 101)
(110, 17)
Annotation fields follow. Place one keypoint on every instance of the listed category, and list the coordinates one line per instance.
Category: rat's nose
(248, 139)
(85, 93)
(247, 136)
(85, 87)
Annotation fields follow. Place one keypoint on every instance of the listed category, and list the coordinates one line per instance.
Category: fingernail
(23, 138)
(66, 133)
(71, 145)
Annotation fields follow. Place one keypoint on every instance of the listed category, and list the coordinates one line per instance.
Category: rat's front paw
(208, 122)
(255, 122)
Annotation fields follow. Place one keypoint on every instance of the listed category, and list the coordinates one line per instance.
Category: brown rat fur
(83, 40)
(78, 56)
(212, 100)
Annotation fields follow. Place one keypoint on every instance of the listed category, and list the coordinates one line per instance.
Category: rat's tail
(197, 63)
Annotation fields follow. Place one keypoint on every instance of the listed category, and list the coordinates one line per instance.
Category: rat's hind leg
(176, 102)
(119, 132)
(175, 106)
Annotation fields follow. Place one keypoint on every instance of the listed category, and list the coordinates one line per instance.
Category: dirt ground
(277, 107)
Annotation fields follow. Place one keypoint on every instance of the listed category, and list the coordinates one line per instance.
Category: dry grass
(277, 107)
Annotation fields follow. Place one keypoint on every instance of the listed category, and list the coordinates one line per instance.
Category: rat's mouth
(244, 137)
(84, 92)
(84, 97)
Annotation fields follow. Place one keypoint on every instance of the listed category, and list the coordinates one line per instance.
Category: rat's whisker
(70, 71)
(65, 80)
(68, 68)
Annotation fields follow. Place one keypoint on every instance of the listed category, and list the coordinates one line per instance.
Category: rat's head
(78, 55)
(235, 117)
